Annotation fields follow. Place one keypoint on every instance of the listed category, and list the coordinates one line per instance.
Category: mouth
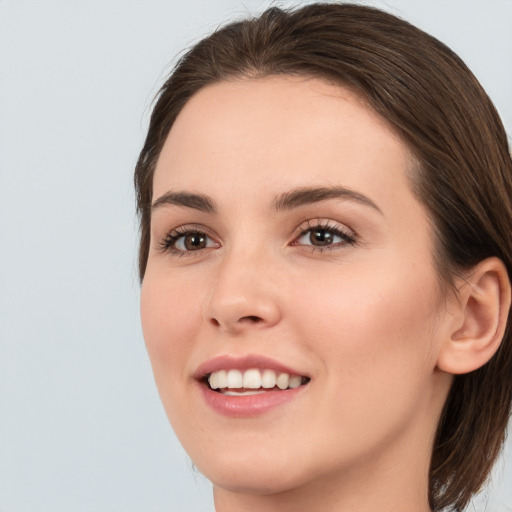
(248, 386)
(253, 381)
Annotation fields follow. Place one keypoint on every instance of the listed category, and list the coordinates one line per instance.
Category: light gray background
(81, 425)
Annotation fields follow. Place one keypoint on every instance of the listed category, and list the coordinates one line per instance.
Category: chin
(262, 480)
(253, 468)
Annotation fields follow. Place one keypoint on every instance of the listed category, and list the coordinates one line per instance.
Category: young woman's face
(288, 251)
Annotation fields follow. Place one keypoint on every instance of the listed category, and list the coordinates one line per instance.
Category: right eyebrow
(199, 202)
(310, 195)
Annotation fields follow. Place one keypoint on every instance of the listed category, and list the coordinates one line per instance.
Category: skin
(366, 321)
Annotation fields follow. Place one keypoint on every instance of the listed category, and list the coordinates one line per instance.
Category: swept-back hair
(463, 174)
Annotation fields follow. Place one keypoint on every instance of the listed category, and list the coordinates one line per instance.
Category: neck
(326, 498)
(395, 481)
(381, 495)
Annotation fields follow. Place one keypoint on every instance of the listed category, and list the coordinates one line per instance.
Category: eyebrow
(289, 200)
(310, 195)
(199, 202)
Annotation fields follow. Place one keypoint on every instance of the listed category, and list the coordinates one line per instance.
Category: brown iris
(194, 241)
(321, 237)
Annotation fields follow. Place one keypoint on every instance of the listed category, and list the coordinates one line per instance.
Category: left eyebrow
(199, 202)
(310, 195)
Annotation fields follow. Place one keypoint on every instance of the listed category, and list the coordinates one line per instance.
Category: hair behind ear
(483, 304)
(477, 410)
(463, 177)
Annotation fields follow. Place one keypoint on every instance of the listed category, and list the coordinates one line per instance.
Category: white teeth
(268, 379)
(243, 393)
(235, 379)
(218, 380)
(222, 379)
(295, 381)
(213, 380)
(282, 380)
(253, 379)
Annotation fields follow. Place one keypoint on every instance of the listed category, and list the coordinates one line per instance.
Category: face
(288, 251)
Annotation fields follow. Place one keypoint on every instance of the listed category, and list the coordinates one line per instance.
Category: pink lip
(251, 405)
(247, 406)
(228, 362)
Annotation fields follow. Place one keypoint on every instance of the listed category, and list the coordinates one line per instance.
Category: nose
(244, 294)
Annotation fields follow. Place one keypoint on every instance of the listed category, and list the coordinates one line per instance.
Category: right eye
(182, 241)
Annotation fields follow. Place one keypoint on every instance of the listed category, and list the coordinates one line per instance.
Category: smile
(248, 386)
(253, 381)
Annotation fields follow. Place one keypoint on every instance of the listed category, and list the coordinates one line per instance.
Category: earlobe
(478, 326)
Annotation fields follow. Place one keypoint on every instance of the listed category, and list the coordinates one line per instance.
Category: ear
(479, 320)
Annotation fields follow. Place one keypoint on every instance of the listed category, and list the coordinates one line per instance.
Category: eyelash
(168, 244)
(347, 237)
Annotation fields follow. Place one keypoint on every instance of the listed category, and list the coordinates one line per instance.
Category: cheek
(374, 336)
(374, 330)
(170, 314)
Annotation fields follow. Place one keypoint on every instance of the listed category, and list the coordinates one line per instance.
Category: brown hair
(463, 177)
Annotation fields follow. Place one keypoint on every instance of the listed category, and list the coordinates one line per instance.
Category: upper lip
(227, 362)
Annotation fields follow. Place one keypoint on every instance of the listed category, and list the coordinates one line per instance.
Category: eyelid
(166, 243)
(348, 235)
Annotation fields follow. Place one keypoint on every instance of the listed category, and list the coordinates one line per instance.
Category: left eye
(193, 242)
(188, 241)
(324, 236)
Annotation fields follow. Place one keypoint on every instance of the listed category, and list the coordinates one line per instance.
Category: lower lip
(250, 405)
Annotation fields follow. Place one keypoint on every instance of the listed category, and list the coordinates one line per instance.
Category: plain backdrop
(81, 425)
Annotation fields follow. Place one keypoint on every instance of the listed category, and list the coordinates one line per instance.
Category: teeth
(243, 393)
(268, 379)
(214, 380)
(253, 379)
(235, 379)
(282, 381)
(222, 379)
(295, 381)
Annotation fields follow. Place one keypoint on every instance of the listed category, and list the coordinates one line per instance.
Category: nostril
(251, 318)
(235, 323)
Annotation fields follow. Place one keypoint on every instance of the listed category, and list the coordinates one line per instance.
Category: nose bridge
(242, 292)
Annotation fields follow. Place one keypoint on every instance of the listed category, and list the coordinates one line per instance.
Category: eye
(325, 236)
(184, 240)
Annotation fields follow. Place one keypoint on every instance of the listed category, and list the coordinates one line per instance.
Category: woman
(325, 261)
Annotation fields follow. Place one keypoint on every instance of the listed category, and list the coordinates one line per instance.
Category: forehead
(277, 132)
